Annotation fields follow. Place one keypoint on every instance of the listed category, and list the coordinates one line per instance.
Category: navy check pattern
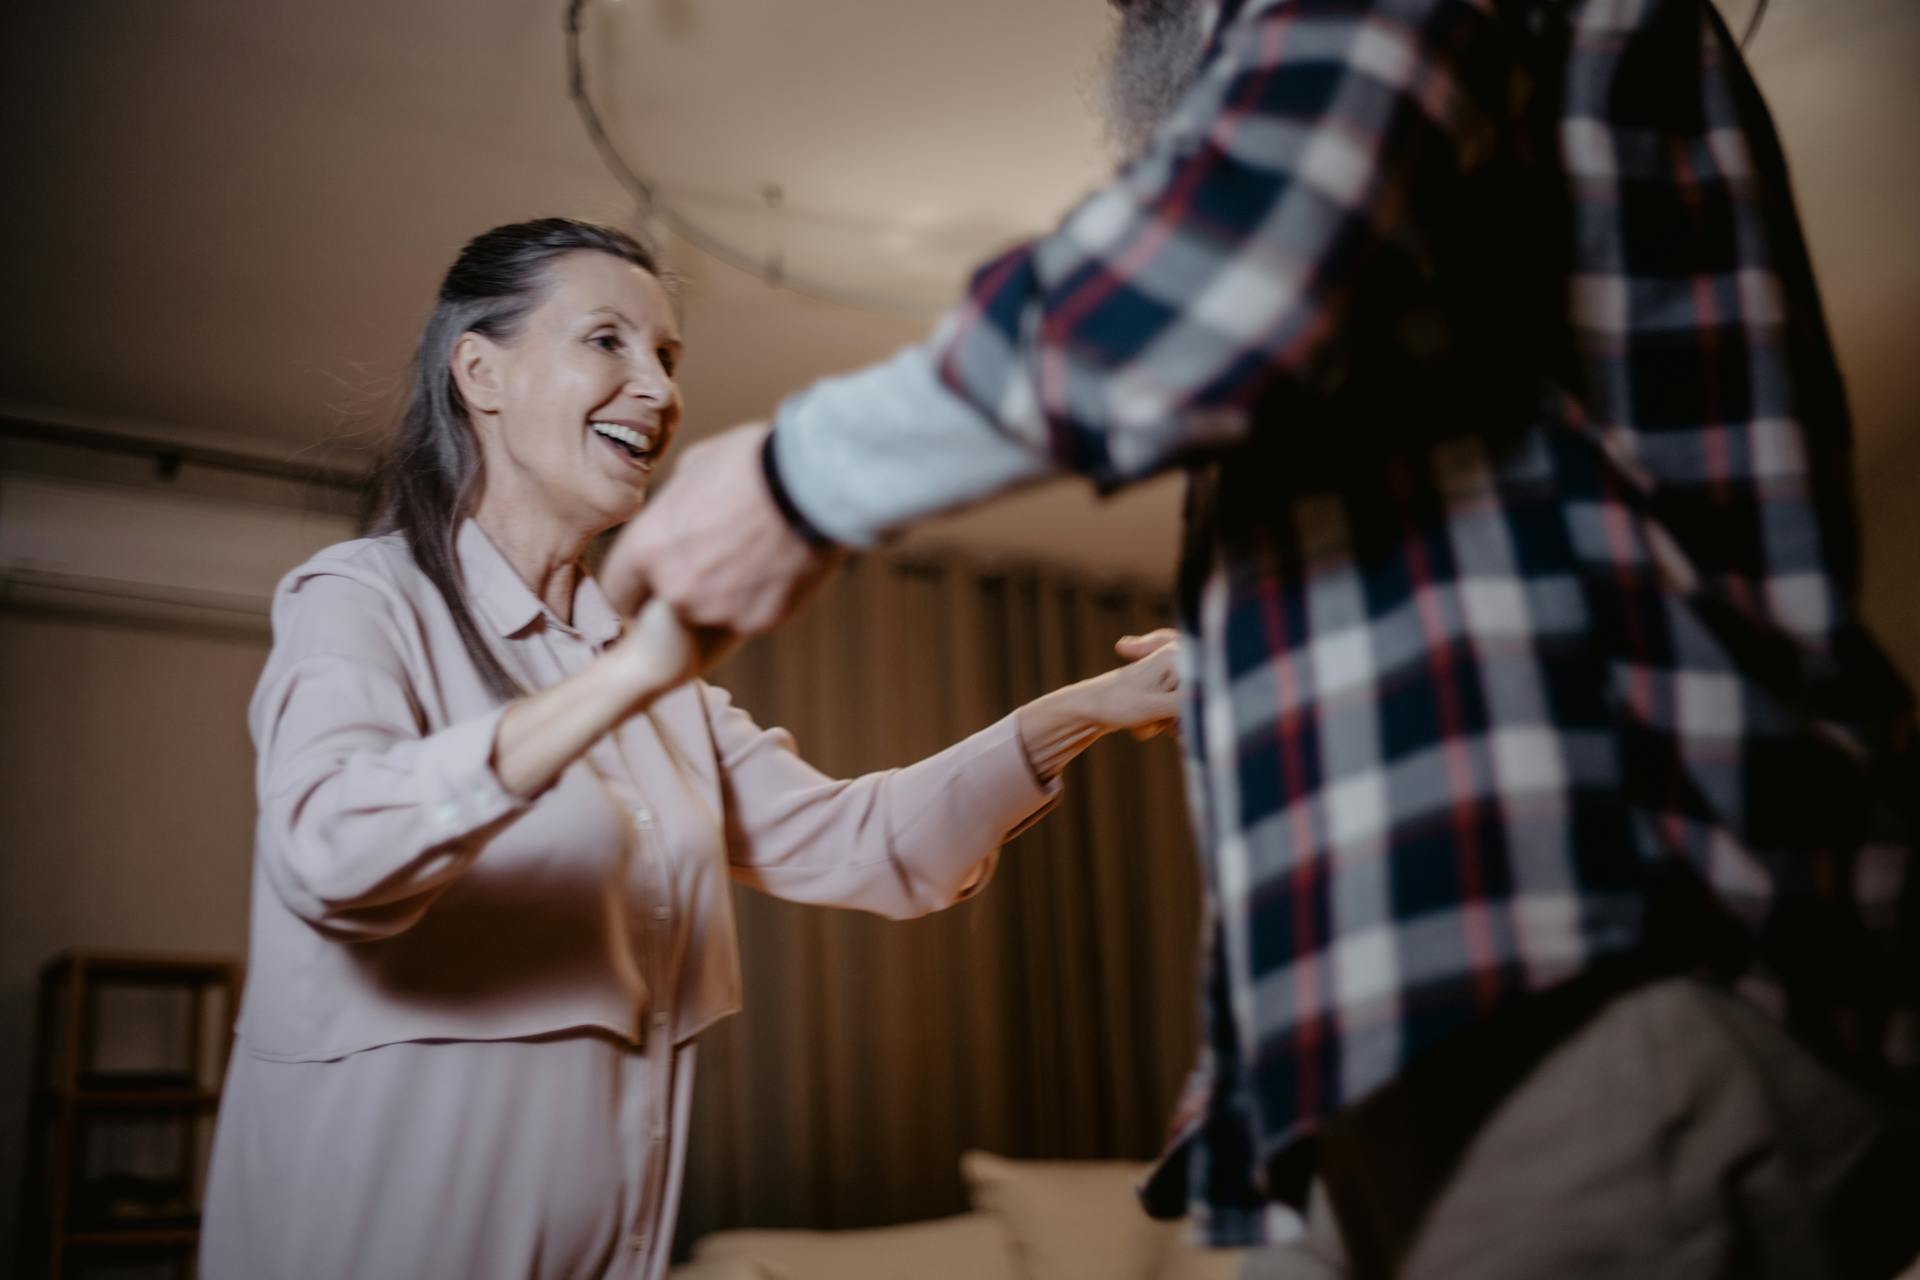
(1521, 567)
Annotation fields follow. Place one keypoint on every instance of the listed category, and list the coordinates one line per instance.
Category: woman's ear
(476, 372)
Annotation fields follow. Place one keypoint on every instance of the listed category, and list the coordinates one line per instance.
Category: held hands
(1143, 697)
(544, 732)
(712, 561)
(714, 545)
(714, 549)
(659, 651)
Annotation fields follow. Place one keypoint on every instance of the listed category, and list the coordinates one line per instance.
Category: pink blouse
(403, 894)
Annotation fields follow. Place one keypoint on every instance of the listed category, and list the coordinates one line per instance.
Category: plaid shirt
(1521, 568)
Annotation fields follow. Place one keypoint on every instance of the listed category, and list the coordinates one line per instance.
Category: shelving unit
(73, 1212)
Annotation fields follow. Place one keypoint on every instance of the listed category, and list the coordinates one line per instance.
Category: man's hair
(1157, 53)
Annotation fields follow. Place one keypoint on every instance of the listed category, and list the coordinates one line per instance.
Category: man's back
(1521, 560)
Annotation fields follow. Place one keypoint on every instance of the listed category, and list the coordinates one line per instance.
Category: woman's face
(583, 401)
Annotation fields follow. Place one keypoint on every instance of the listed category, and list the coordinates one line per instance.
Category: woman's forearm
(543, 733)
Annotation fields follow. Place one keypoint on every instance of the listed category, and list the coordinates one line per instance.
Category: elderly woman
(490, 906)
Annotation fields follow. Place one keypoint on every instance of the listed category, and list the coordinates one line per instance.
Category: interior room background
(222, 224)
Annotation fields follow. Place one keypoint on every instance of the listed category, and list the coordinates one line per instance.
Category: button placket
(659, 881)
(649, 869)
(659, 1092)
(660, 1024)
(652, 874)
(649, 1152)
(637, 1110)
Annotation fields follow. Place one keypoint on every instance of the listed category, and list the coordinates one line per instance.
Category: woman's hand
(1141, 697)
(660, 651)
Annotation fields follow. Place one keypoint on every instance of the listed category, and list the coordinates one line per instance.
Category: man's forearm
(862, 456)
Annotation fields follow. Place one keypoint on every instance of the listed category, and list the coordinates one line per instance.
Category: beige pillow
(719, 1269)
(1188, 1261)
(1070, 1219)
(968, 1247)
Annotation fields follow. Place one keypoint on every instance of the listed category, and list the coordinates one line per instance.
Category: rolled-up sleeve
(365, 816)
(899, 843)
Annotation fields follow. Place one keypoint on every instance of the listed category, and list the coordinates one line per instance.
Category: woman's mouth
(635, 445)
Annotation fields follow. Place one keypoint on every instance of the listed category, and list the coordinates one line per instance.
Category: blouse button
(661, 913)
(643, 816)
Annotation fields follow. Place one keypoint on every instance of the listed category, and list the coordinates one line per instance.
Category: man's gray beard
(1156, 58)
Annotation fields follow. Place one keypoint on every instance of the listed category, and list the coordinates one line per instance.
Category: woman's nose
(650, 382)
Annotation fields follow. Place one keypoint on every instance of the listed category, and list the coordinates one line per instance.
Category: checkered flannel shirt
(1521, 567)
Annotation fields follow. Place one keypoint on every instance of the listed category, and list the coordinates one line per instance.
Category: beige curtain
(1051, 1016)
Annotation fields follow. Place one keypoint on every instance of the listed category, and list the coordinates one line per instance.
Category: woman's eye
(605, 341)
(666, 359)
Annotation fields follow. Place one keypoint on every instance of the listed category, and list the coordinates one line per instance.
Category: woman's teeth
(637, 443)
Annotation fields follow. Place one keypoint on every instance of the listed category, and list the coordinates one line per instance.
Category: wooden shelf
(134, 1238)
(133, 1099)
(125, 968)
(68, 1197)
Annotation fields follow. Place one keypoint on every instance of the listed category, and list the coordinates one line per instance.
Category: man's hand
(714, 545)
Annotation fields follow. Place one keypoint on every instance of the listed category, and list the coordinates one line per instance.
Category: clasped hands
(713, 548)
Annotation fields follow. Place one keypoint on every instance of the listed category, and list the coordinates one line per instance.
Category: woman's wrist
(628, 677)
(1056, 727)
(657, 653)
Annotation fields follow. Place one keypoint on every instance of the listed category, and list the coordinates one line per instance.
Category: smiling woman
(589, 373)
(433, 470)
(491, 910)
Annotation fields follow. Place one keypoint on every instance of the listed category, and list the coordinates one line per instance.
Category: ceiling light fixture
(839, 149)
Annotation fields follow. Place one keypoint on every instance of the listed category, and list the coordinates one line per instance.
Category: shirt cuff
(861, 457)
(966, 803)
(777, 487)
(471, 793)
(1003, 783)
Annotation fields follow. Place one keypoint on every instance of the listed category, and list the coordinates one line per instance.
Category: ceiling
(886, 177)
(228, 218)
